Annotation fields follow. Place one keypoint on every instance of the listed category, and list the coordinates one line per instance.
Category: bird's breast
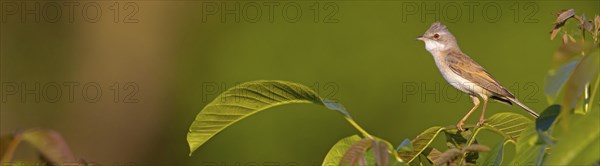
(457, 81)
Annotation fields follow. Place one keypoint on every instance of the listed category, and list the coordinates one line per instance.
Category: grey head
(438, 38)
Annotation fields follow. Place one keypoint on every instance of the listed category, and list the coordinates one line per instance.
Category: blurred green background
(182, 54)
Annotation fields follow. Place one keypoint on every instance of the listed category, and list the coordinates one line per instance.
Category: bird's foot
(459, 126)
(480, 123)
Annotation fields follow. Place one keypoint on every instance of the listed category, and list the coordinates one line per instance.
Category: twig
(12, 146)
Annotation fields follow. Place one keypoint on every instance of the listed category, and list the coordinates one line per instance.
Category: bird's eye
(436, 36)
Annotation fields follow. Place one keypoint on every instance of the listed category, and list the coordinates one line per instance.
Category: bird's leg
(462, 121)
(482, 117)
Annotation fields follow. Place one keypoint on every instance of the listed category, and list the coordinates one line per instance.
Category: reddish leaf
(448, 157)
(564, 15)
(554, 32)
(584, 24)
(50, 144)
(380, 152)
(356, 153)
(477, 148)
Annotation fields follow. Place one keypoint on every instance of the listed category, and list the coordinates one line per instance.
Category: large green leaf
(580, 147)
(338, 150)
(508, 124)
(528, 151)
(494, 157)
(555, 79)
(586, 71)
(421, 142)
(513, 126)
(247, 99)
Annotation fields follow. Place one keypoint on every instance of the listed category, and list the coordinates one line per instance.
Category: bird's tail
(533, 113)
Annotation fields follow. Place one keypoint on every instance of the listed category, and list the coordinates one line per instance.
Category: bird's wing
(468, 69)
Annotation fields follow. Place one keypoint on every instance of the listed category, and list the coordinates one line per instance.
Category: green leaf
(462, 141)
(457, 139)
(528, 151)
(494, 157)
(581, 146)
(247, 99)
(433, 155)
(50, 144)
(508, 124)
(516, 128)
(556, 79)
(585, 71)
(421, 142)
(338, 150)
(544, 137)
(547, 117)
(591, 88)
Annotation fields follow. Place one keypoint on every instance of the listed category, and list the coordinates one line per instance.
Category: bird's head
(438, 38)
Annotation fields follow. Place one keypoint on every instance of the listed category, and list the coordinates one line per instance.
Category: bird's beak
(421, 38)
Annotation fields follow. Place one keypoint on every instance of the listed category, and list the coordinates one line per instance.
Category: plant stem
(10, 149)
(594, 92)
(469, 142)
(357, 127)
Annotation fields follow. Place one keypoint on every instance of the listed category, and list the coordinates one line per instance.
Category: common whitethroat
(465, 74)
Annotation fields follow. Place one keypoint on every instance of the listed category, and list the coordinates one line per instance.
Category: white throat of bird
(434, 46)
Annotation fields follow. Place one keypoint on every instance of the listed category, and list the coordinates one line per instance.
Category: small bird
(465, 74)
